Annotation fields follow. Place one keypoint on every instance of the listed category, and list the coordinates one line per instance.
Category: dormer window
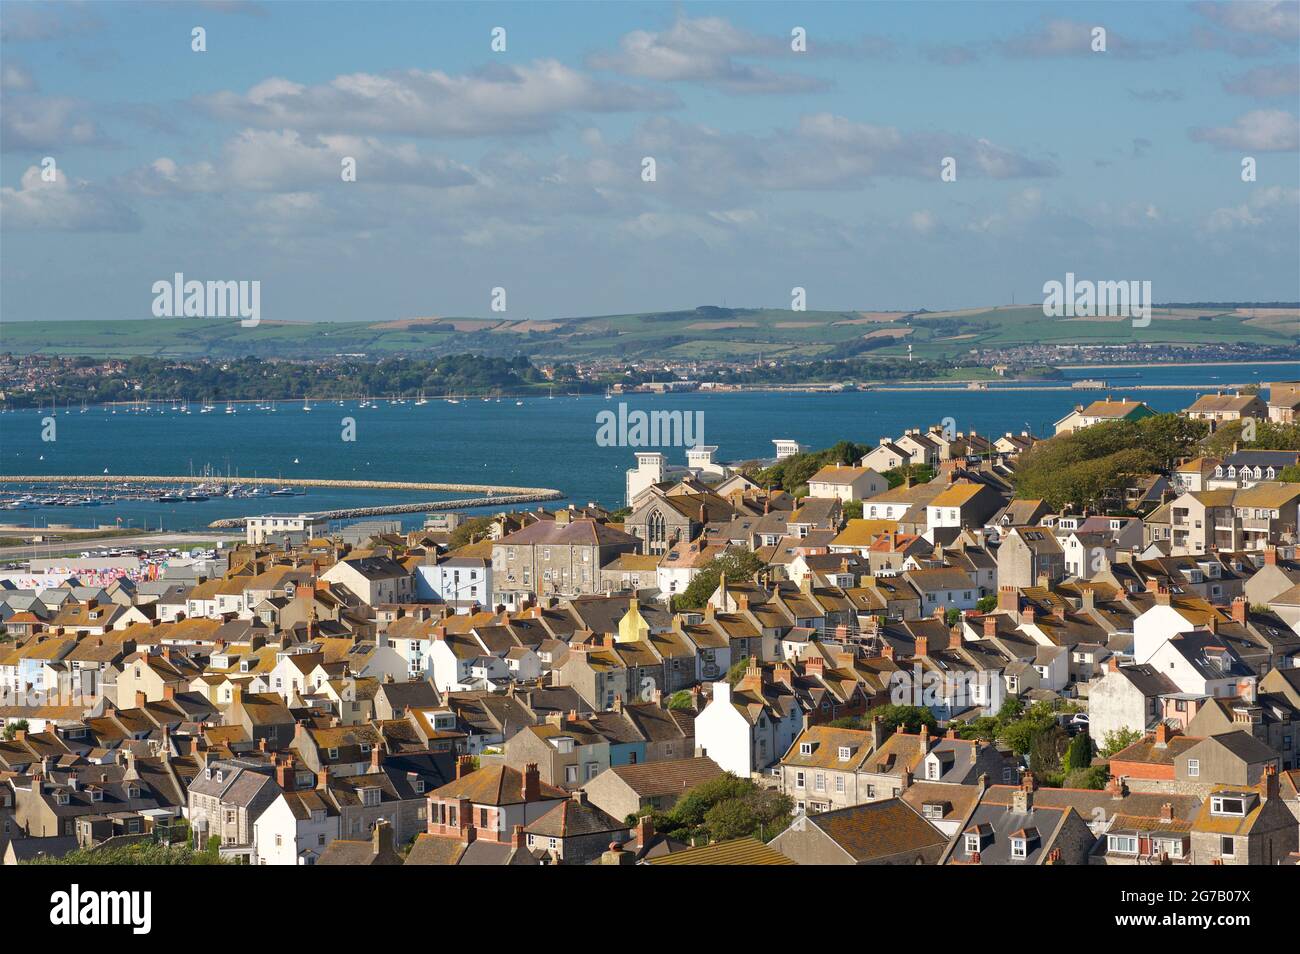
(845, 753)
(805, 748)
(61, 798)
(972, 843)
(96, 795)
(333, 753)
(419, 785)
(207, 774)
(1019, 847)
(365, 748)
(370, 797)
(1226, 805)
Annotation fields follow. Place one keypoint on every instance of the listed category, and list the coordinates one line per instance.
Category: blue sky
(522, 168)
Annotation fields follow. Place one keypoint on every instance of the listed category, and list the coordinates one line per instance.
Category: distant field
(705, 332)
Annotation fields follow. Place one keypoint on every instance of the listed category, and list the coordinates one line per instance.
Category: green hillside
(704, 332)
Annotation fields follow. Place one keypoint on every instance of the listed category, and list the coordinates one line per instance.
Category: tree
(852, 510)
(986, 604)
(1079, 753)
(737, 671)
(953, 616)
(681, 699)
(1047, 746)
(902, 718)
(470, 531)
(15, 727)
(1118, 740)
(1094, 777)
(738, 564)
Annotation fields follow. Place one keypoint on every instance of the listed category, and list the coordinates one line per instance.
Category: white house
(375, 579)
(460, 582)
(742, 730)
(1157, 625)
(294, 829)
(846, 483)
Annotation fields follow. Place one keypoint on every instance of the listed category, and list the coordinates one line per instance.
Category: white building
(272, 526)
(460, 582)
(294, 829)
(787, 448)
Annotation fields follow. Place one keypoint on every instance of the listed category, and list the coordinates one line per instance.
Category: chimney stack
(532, 789)
(1240, 609)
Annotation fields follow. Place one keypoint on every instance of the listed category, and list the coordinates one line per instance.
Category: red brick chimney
(464, 765)
(645, 831)
(284, 773)
(922, 646)
(1240, 608)
(1270, 556)
(990, 626)
(1027, 616)
(1167, 811)
(532, 786)
(814, 664)
(517, 838)
(1268, 784)
(1162, 736)
(376, 758)
(1008, 599)
(1112, 664)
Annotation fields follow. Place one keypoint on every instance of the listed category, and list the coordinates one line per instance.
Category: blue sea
(543, 443)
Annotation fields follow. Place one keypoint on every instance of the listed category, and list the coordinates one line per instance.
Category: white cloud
(704, 50)
(1265, 206)
(1059, 37)
(1279, 19)
(527, 98)
(1266, 82)
(15, 78)
(49, 123)
(1261, 130)
(285, 161)
(63, 206)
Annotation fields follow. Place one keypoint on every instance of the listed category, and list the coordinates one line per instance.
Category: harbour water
(543, 442)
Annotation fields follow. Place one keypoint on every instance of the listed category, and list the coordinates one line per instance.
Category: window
(798, 780)
(805, 748)
(819, 781)
(1227, 847)
(845, 753)
(333, 753)
(1220, 805)
(570, 774)
(1122, 844)
(1019, 847)
(972, 844)
(839, 783)
(1193, 768)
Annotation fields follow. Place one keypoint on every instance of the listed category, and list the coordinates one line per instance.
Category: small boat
(171, 498)
(283, 492)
